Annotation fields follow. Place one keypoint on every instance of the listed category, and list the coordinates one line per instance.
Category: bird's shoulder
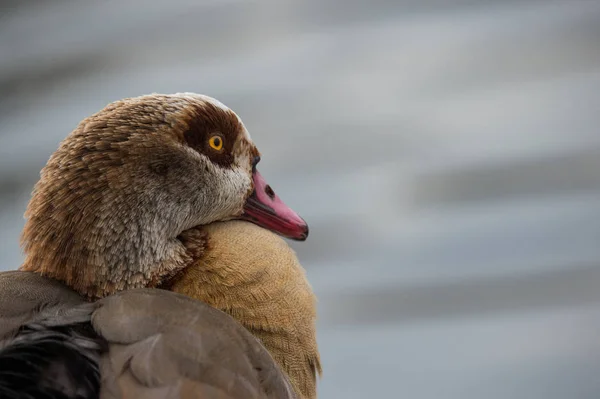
(137, 343)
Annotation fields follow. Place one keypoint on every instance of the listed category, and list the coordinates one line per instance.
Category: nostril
(270, 192)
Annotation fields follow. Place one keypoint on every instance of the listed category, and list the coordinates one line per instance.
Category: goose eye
(216, 143)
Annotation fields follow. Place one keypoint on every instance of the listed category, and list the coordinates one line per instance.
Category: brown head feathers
(112, 200)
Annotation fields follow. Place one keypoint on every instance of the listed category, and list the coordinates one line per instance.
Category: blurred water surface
(446, 155)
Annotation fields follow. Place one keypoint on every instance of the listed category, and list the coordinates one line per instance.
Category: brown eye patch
(208, 121)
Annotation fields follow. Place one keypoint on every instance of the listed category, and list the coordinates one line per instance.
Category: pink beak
(267, 210)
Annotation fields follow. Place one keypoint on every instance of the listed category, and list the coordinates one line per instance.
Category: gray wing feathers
(160, 344)
(166, 345)
(30, 298)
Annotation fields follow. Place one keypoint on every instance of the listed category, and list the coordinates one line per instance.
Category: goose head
(113, 203)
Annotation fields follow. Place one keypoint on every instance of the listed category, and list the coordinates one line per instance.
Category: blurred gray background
(446, 155)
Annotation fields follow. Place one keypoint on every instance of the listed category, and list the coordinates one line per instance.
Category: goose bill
(267, 210)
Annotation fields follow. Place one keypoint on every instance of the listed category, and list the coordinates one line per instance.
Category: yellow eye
(216, 143)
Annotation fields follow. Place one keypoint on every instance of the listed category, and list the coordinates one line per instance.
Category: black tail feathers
(52, 363)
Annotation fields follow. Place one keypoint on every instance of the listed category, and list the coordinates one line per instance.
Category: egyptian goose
(136, 198)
